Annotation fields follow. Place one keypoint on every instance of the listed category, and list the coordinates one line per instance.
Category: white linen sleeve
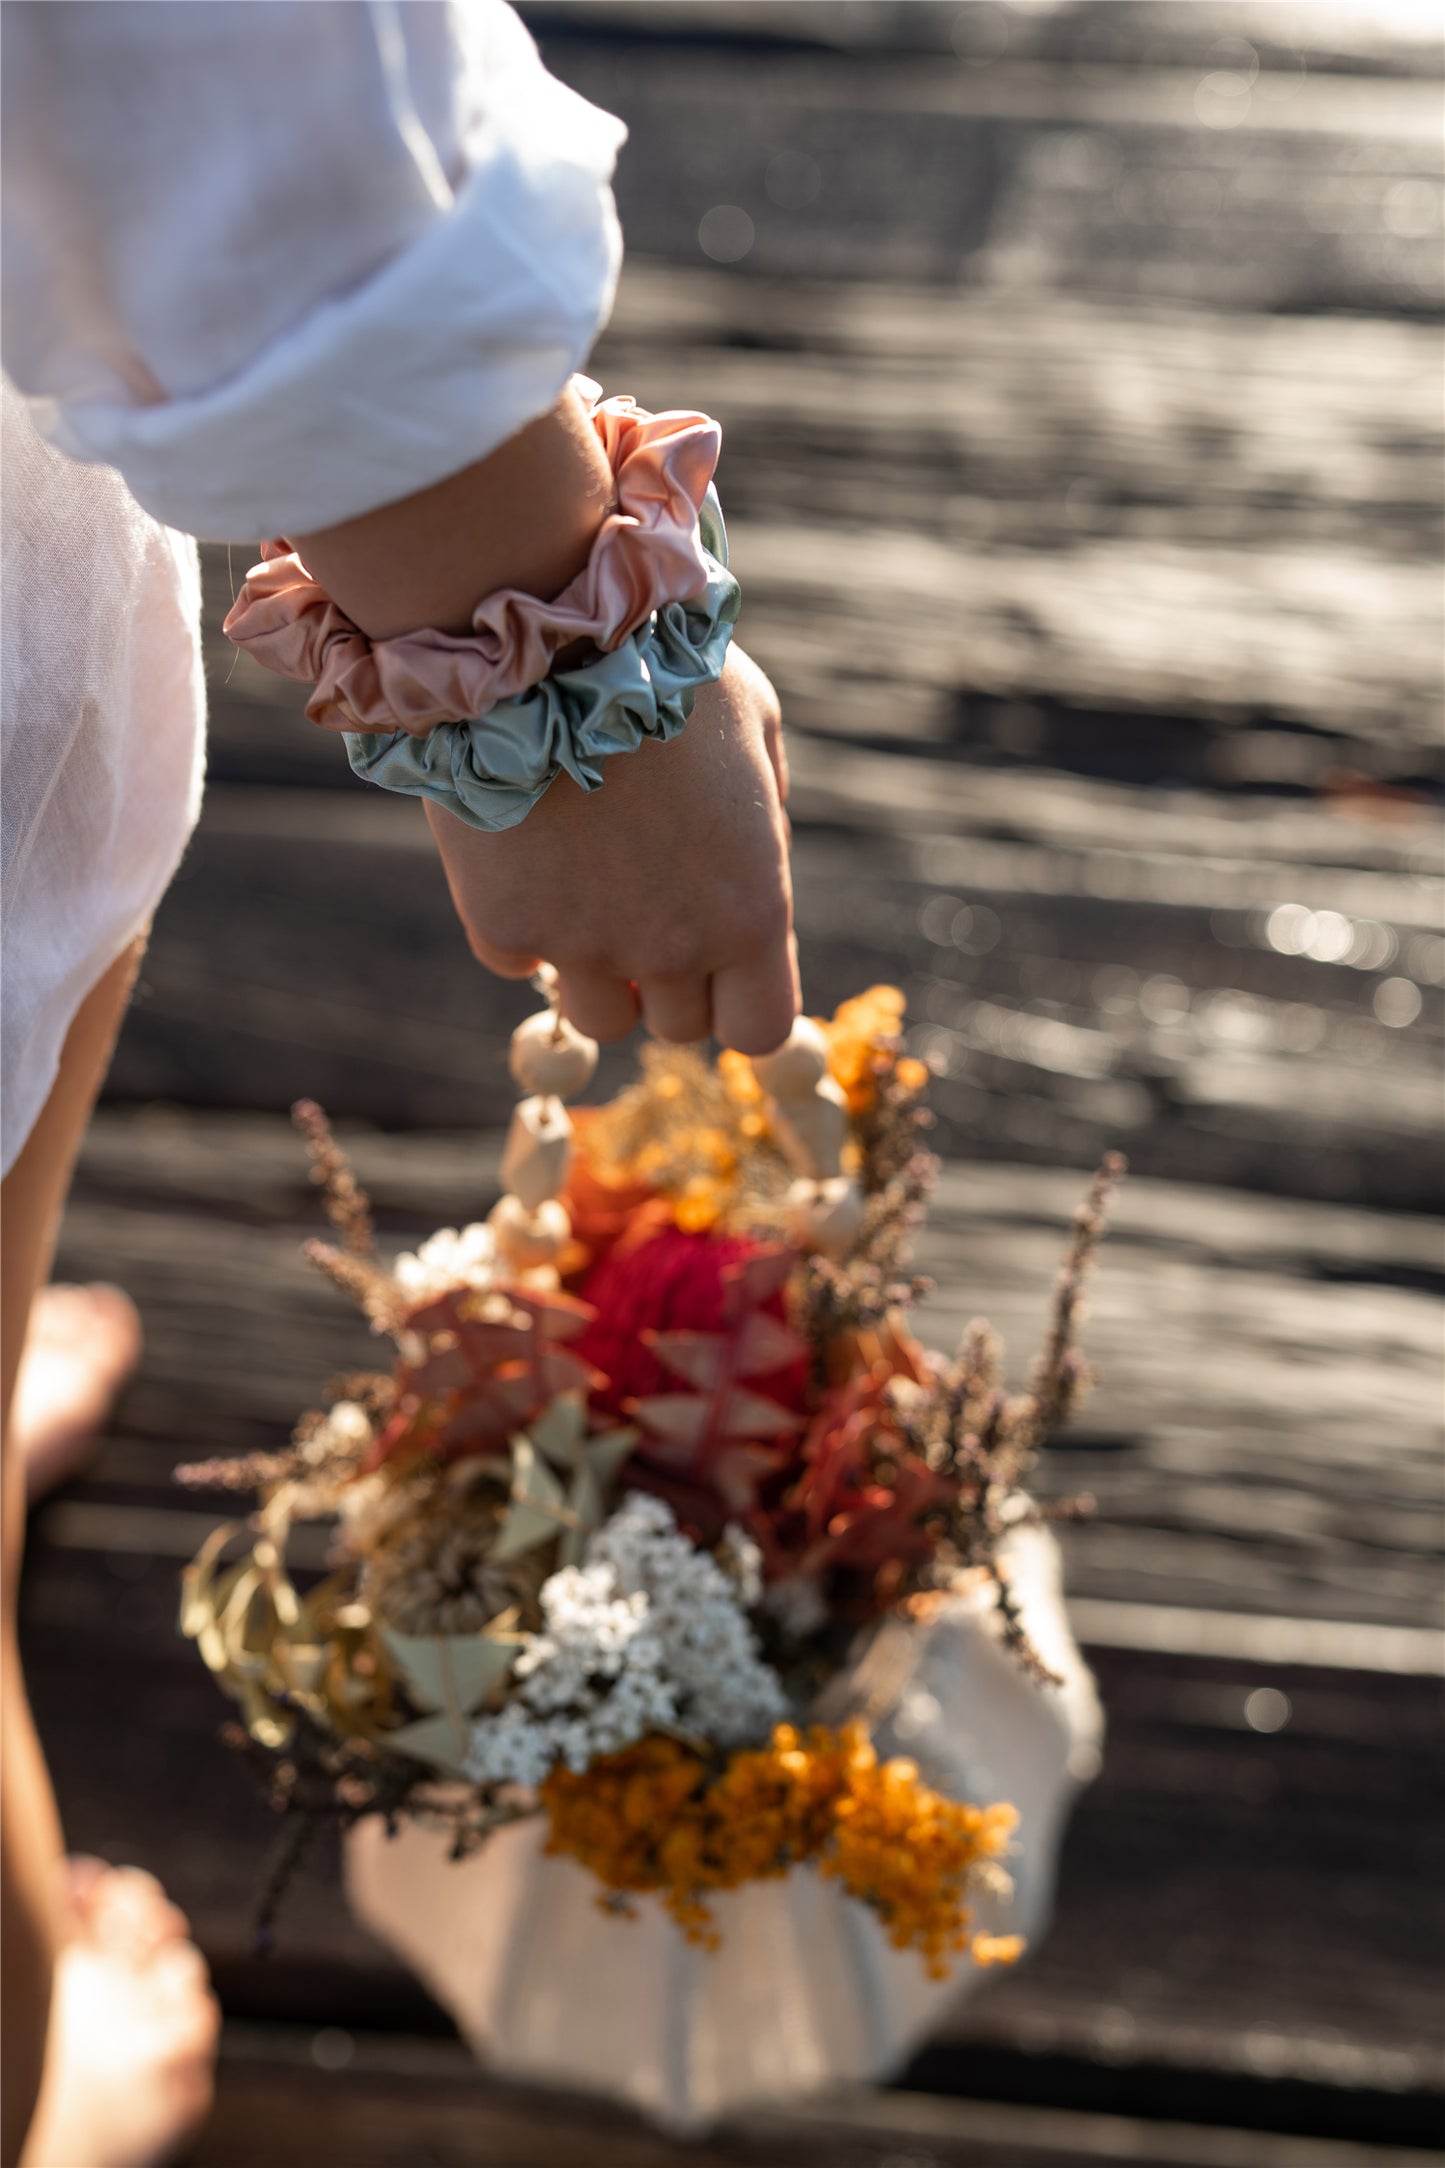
(282, 261)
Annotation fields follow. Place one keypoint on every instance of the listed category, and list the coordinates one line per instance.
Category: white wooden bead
(549, 1056)
(825, 1216)
(528, 1240)
(534, 1164)
(813, 1131)
(798, 1065)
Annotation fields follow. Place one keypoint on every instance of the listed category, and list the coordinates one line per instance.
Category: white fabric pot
(805, 1991)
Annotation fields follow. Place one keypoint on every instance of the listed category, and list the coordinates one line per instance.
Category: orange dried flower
(739, 1079)
(859, 1039)
(656, 1818)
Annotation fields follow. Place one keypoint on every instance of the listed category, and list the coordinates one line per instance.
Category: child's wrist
(482, 721)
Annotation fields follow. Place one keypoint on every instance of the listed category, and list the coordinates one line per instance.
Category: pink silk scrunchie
(645, 554)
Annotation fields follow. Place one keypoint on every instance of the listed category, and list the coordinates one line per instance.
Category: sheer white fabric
(281, 264)
(102, 712)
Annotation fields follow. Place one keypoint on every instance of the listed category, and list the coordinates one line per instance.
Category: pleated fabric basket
(805, 1991)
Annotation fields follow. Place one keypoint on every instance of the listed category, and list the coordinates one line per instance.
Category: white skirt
(805, 1991)
(102, 743)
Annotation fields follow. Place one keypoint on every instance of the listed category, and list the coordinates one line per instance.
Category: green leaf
(452, 1672)
(439, 1741)
(560, 1430)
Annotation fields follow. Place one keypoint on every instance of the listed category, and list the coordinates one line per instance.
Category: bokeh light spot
(725, 233)
(1267, 1709)
(1397, 1003)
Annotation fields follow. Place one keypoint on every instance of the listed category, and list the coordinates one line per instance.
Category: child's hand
(667, 890)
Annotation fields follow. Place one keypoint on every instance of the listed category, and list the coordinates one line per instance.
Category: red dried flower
(692, 1332)
(491, 1363)
(853, 1519)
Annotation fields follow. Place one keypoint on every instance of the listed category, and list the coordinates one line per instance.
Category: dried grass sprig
(1060, 1375)
(238, 1472)
(373, 1291)
(347, 1205)
(372, 1390)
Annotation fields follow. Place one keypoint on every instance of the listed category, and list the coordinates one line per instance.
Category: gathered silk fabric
(646, 553)
(102, 737)
(491, 769)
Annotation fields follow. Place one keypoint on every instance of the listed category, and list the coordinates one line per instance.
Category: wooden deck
(1082, 470)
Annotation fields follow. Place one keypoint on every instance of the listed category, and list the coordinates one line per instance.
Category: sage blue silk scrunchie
(491, 769)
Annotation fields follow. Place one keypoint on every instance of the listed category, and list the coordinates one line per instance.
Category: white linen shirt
(282, 261)
(267, 264)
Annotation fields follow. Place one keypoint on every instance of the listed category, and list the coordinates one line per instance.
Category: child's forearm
(524, 517)
(666, 893)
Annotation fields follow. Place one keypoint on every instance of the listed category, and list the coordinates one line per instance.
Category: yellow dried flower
(657, 1818)
(698, 1136)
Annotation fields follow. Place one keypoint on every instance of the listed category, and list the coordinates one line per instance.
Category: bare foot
(133, 2025)
(82, 1345)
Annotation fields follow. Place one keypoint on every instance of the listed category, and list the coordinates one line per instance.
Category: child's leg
(38, 1912)
(82, 1345)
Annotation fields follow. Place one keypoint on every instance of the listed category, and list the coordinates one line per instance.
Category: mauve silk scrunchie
(647, 554)
(491, 769)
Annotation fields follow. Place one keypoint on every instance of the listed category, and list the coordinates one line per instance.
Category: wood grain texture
(1084, 969)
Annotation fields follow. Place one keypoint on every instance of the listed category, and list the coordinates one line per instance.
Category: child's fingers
(503, 963)
(601, 1007)
(754, 1004)
(678, 1009)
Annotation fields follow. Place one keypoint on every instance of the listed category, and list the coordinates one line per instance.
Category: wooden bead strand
(551, 1060)
(809, 1117)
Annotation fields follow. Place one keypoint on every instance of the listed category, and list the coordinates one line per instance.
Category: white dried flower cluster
(591, 1683)
(648, 1632)
(446, 1260)
(725, 1690)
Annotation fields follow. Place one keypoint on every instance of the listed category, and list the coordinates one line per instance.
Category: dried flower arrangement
(656, 1457)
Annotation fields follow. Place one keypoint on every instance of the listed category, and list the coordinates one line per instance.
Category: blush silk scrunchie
(491, 769)
(646, 555)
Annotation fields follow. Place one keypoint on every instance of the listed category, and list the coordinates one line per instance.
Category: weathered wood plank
(1241, 1915)
(1264, 1436)
(1086, 972)
(1074, 416)
(1281, 189)
(1120, 509)
(386, 2101)
(1117, 34)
